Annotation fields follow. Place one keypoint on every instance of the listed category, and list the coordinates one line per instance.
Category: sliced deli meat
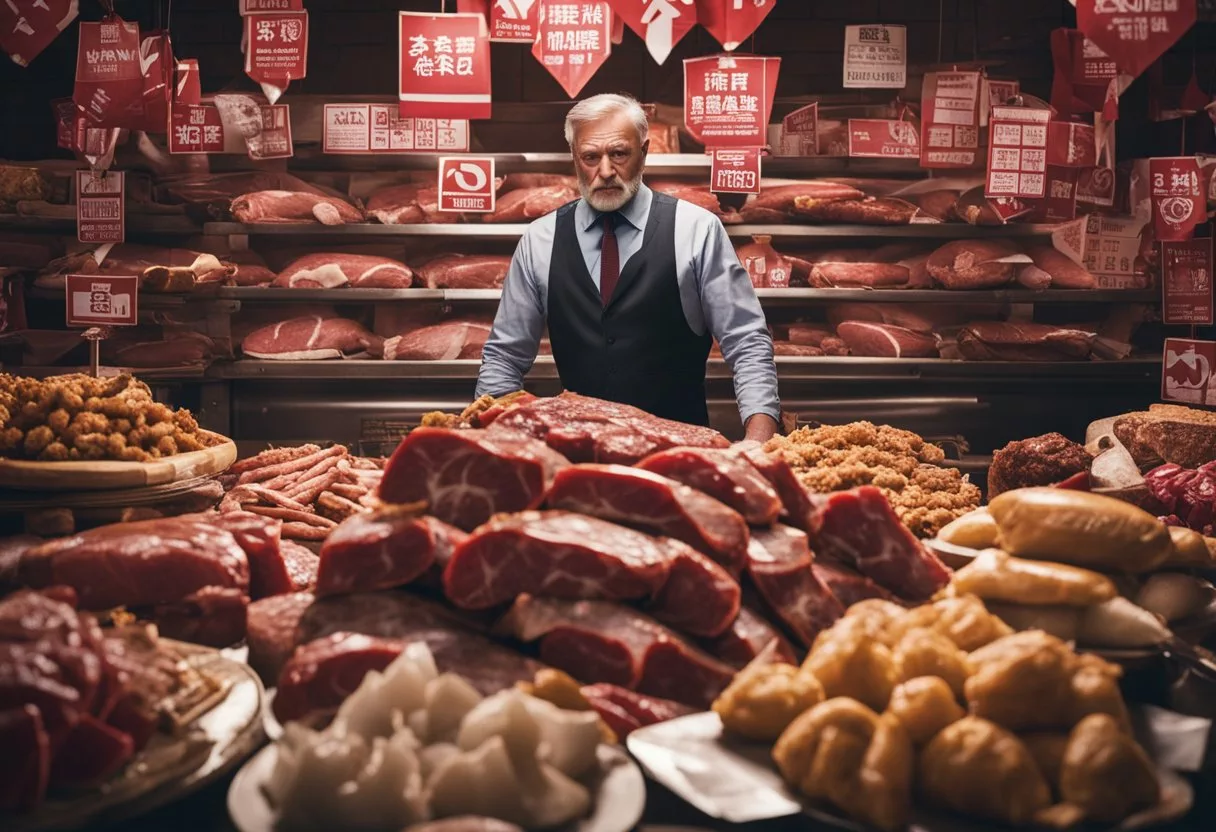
(1023, 341)
(699, 597)
(555, 554)
(294, 206)
(465, 271)
(334, 269)
(646, 500)
(746, 638)
(467, 476)
(779, 563)
(599, 641)
(885, 341)
(448, 341)
(310, 338)
(723, 476)
(381, 549)
(974, 264)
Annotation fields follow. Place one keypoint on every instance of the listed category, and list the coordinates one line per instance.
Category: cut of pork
(625, 711)
(465, 271)
(746, 638)
(409, 204)
(723, 476)
(293, 206)
(310, 338)
(467, 476)
(885, 341)
(334, 269)
(645, 500)
(779, 563)
(974, 264)
(448, 341)
(699, 597)
(555, 554)
(382, 549)
(1023, 341)
(599, 641)
(829, 275)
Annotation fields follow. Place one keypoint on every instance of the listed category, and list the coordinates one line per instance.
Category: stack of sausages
(311, 489)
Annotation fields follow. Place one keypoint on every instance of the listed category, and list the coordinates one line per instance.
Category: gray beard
(605, 203)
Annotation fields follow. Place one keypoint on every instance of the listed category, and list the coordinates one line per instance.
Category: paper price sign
(95, 300)
(466, 183)
(1186, 268)
(1017, 159)
(882, 138)
(875, 57)
(100, 208)
(735, 171)
(377, 128)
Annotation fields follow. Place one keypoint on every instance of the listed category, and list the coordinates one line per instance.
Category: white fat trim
(300, 355)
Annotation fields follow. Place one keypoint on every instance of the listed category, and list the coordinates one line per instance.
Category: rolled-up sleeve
(734, 317)
(514, 339)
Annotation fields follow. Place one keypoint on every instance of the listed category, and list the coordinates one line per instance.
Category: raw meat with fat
(334, 269)
(448, 341)
(870, 211)
(886, 341)
(625, 711)
(382, 549)
(321, 674)
(858, 275)
(974, 264)
(748, 635)
(310, 338)
(1064, 272)
(271, 631)
(527, 204)
(847, 584)
(723, 476)
(797, 501)
(699, 597)
(1023, 341)
(409, 204)
(294, 206)
(779, 563)
(465, 271)
(784, 199)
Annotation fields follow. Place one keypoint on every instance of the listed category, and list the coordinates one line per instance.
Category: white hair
(598, 106)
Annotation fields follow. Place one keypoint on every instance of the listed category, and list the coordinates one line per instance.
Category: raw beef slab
(554, 554)
(648, 501)
(271, 631)
(885, 341)
(779, 563)
(382, 549)
(859, 528)
(310, 338)
(625, 711)
(214, 616)
(746, 638)
(465, 271)
(721, 475)
(321, 674)
(847, 584)
(598, 641)
(798, 502)
(525, 204)
(584, 429)
(467, 476)
(448, 341)
(292, 206)
(699, 598)
(334, 269)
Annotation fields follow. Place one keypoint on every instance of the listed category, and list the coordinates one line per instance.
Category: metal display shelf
(339, 295)
(136, 224)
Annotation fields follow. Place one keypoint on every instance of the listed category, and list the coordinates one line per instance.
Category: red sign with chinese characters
(732, 21)
(28, 28)
(100, 208)
(1060, 203)
(1186, 268)
(950, 120)
(274, 140)
(96, 300)
(660, 23)
(1134, 33)
(445, 66)
(1177, 197)
(109, 77)
(884, 138)
(196, 128)
(376, 128)
(1017, 152)
(800, 132)
(1186, 370)
(735, 170)
(573, 42)
(466, 183)
(515, 20)
(276, 48)
(728, 99)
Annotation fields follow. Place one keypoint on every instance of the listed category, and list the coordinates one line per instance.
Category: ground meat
(1040, 460)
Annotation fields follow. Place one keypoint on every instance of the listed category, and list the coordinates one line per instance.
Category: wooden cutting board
(108, 474)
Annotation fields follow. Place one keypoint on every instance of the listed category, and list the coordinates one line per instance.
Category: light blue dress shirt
(715, 293)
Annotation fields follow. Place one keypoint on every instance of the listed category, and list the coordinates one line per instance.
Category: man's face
(609, 159)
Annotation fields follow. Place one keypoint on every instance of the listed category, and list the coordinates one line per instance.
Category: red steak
(214, 616)
(271, 625)
(748, 635)
(721, 475)
(885, 341)
(333, 269)
(779, 562)
(465, 271)
(382, 549)
(448, 341)
(797, 501)
(625, 710)
(699, 598)
(321, 674)
(849, 586)
(310, 338)
(26, 761)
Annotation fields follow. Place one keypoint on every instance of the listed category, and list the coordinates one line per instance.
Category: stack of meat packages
(648, 559)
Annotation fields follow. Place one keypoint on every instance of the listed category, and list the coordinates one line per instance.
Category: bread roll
(975, 530)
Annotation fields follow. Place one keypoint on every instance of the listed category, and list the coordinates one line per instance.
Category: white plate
(618, 791)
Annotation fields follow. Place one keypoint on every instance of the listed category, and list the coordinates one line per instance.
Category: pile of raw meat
(1186, 496)
(322, 336)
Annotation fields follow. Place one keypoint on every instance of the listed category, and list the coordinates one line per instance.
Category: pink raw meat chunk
(382, 549)
(849, 586)
(271, 632)
(779, 562)
(323, 673)
(747, 636)
(723, 476)
(798, 502)
(700, 598)
(625, 711)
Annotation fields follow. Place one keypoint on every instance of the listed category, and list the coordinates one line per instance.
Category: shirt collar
(634, 212)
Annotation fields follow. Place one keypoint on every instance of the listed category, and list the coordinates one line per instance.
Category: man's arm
(515, 337)
(734, 317)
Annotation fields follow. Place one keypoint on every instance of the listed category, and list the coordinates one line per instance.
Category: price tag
(514, 21)
(950, 133)
(1186, 268)
(100, 207)
(1177, 198)
(196, 128)
(1186, 371)
(1017, 152)
(875, 57)
(276, 49)
(884, 138)
(466, 184)
(97, 300)
(444, 65)
(728, 99)
(800, 132)
(735, 170)
(1111, 247)
(377, 128)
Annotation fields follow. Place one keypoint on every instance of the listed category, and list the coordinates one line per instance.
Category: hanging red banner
(100, 207)
(514, 21)
(25, 32)
(1177, 198)
(574, 41)
(950, 119)
(1186, 282)
(109, 77)
(660, 23)
(196, 128)
(735, 170)
(1134, 33)
(276, 50)
(444, 66)
(732, 21)
(728, 99)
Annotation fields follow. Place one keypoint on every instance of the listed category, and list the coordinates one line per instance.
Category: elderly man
(634, 286)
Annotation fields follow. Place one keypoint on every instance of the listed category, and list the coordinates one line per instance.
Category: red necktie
(610, 260)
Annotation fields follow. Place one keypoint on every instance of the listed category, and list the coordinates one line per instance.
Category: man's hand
(761, 428)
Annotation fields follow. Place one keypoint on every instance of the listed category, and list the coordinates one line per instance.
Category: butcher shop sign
(95, 300)
(514, 20)
(466, 184)
(100, 210)
(1186, 268)
(950, 121)
(1134, 33)
(728, 99)
(444, 66)
(1186, 371)
(1177, 198)
(573, 42)
(276, 50)
(875, 57)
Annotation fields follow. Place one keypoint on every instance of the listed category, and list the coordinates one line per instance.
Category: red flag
(733, 21)
(1133, 36)
(661, 23)
(574, 41)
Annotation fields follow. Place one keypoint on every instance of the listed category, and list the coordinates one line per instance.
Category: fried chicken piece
(925, 705)
(1047, 748)
(848, 662)
(762, 700)
(924, 652)
(1105, 773)
(1023, 682)
(1095, 690)
(58, 420)
(11, 439)
(878, 616)
(963, 619)
(54, 452)
(37, 439)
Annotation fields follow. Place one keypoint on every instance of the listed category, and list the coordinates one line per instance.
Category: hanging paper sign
(1071, 145)
(999, 93)
(514, 21)
(466, 183)
(1186, 371)
(273, 141)
(93, 300)
(376, 128)
(800, 132)
(276, 50)
(1177, 198)
(735, 170)
(1091, 65)
(1017, 152)
(950, 135)
(1096, 186)
(28, 28)
(109, 77)
(875, 57)
(70, 125)
(660, 23)
(100, 210)
(1060, 203)
(732, 21)
(188, 88)
(884, 138)
(249, 7)
(445, 66)
(196, 128)
(1134, 33)
(1186, 269)
(728, 99)
(573, 42)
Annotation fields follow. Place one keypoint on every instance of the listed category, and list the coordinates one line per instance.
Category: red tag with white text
(735, 170)
(573, 41)
(100, 209)
(950, 133)
(196, 128)
(1134, 33)
(800, 132)
(732, 21)
(1071, 145)
(1096, 186)
(258, 6)
(728, 99)
(884, 138)
(94, 300)
(1017, 152)
(274, 140)
(109, 77)
(466, 183)
(1177, 197)
(515, 21)
(1060, 203)
(445, 66)
(70, 125)
(1186, 371)
(276, 50)
(660, 23)
(25, 32)
(1186, 270)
